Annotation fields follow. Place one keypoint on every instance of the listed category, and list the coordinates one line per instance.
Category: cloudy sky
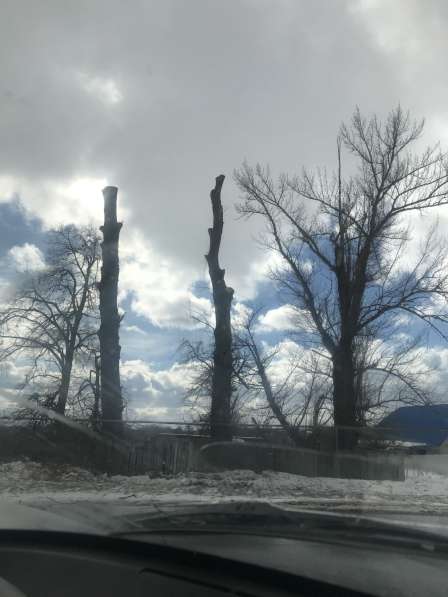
(159, 97)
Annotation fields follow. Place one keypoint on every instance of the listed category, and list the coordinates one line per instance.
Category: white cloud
(437, 358)
(395, 27)
(7, 290)
(278, 319)
(155, 392)
(410, 36)
(104, 89)
(240, 314)
(26, 257)
(12, 374)
(159, 287)
(432, 365)
(246, 286)
(284, 364)
(174, 376)
(134, 329)
(76, 200)
(259, 271)
(153, 412)
(119, 103)
(402, 319)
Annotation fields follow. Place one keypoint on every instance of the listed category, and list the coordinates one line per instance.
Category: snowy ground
(32, 483)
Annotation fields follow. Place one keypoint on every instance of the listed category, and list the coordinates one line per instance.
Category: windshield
(223, 257)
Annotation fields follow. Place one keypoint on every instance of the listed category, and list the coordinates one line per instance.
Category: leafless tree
(342, 242)
(86, 400)
(390, 375)
(199, 355)
(295, 401)
(256, 398)
(220, 419)
(52, 318)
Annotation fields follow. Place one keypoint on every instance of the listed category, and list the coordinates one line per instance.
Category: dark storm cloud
(160, 97)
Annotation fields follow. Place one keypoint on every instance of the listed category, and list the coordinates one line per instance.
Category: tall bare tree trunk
(220, 415)
(111, 398)
(65, 383)
(96, 394)
(344, 398)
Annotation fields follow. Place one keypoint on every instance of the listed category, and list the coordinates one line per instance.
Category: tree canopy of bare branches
(343, 243)
(298, 398)
(51, 318)
(295, 398)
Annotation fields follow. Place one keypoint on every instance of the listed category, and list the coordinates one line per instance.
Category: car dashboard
(47, 564)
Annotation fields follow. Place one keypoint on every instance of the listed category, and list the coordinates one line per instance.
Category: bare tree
(220, 419)
(51, 317)
(297, 399)
(86, 401)
(200, 356)
(390, 375)
(342, 243)
(300, 399)
(111, 391)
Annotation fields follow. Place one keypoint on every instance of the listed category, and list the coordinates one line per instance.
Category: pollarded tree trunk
(220, 415)
(111, 397)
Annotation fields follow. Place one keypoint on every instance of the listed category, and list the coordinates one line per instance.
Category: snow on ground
(32, 483)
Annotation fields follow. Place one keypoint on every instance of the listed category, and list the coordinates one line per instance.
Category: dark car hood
(114, 518)
(16, 516)
(359, 566)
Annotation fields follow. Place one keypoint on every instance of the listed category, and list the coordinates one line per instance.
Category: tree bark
(220, 414)
(344, 398)
(111, 397)
(65, 385)
(96, 394)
